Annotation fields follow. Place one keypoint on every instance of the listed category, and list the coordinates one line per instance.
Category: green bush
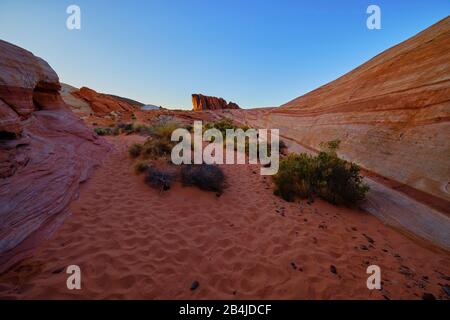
(100, 131)
(135, 150)
(107, 131)
(325, 175)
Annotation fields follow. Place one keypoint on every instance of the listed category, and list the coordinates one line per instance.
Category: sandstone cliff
(45, 152)
(392, 113)
(201, 102)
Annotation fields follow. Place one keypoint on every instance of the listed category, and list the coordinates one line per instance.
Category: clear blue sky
(253, 52)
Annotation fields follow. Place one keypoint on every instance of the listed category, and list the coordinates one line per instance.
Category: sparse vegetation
(283, 147)
(204, 176)
(141, 166)
(109, 131)
(222, 125)
(325, 175)
(189, 128)
(162, 130)
(157, 148)
(135, 150)
(159, 178)
(158, 130)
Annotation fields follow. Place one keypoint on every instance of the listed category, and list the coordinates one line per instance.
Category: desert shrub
(107, 131)
(163, 130)
(189, 128)
(125, 127)
(325, 175)
(159, 143)
(135, 150)
(155, 148)
(159, 178)
(204, 176)
(141, 166)
(295, 177)
(222, 125)
(100, 131)
(139, 128)
(283, 147)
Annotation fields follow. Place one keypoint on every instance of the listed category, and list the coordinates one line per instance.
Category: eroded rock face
(78, 105)
(45, 152)
(103, 103)
(392, 113)
(201, 102)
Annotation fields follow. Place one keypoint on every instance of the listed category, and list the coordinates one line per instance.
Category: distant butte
(201, 102)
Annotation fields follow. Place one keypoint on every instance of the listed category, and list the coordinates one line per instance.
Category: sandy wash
(235, 141)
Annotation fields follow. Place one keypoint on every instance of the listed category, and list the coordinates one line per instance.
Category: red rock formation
(392, 113)
(103, 103)
(45, 152)
(201, 102)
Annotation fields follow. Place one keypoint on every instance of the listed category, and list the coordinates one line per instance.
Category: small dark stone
(234, 292)
(333, 269)
(166, 187)
(194, 285)
(294, 266)
(369, 238)
(405, 271)
(446, 290)
(428, 296)
(363, 247)
(59, 270)
(354, 229)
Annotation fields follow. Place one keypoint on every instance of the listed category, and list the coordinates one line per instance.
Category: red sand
(133, 242)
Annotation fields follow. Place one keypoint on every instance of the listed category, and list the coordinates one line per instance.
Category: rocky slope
(101, 103)
(392, 114)
(45, 152)
(201, 102)
(78, 105)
